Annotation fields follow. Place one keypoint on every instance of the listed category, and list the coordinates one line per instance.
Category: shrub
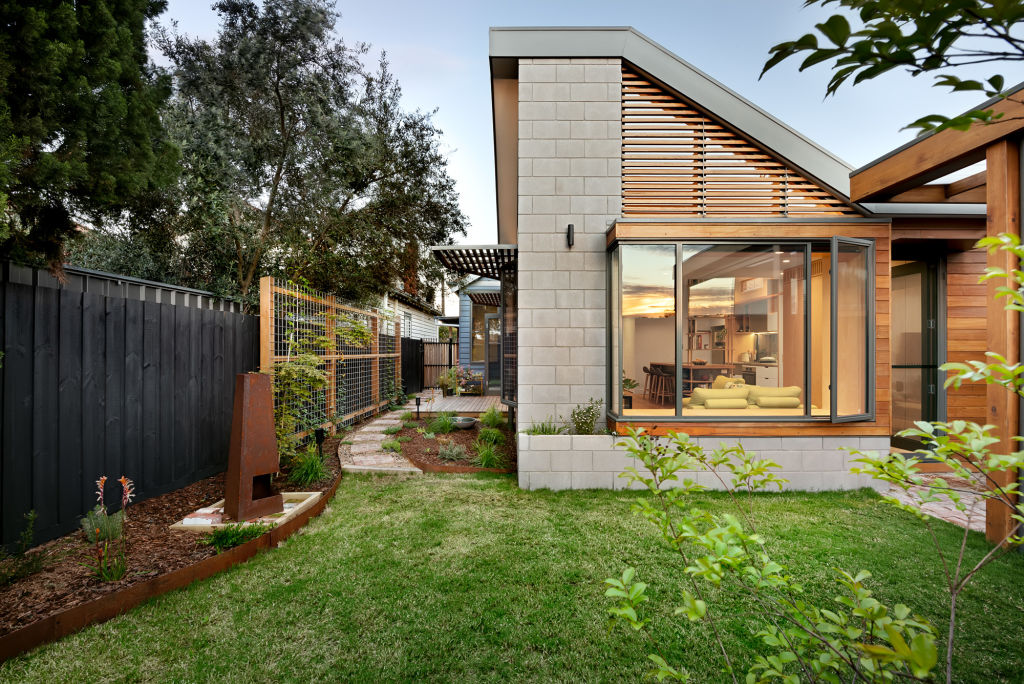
(492, 436)
(392, 429)
(487, 455)
(403, 439)
(411, 424)
(443, 423)
(547, 427)
(406, 416)
(236, 534)
(583, 419)
(99, 525)
(492, 418)
(21, 563)
(447, 450)
(307, 467)
(391, 445)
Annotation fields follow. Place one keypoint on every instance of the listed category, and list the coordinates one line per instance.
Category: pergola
(904, 175)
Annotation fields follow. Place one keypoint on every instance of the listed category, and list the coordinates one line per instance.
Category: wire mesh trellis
(362, 371)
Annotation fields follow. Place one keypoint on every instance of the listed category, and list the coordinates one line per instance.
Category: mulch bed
(422, 452)
(153, 550)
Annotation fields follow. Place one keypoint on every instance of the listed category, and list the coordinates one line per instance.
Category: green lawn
(467, 577)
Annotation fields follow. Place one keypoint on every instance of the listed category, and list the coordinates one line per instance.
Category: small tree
(964, 447)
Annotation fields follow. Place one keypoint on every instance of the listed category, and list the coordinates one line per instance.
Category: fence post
(375, 362)
(398, 359)
(266, 324)
(331, 362)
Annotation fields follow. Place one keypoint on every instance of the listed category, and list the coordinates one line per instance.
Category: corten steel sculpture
(252, 458)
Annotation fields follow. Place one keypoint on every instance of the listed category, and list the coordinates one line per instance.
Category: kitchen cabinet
(767, 376)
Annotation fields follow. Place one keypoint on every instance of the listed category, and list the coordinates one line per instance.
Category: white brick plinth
(594, 462)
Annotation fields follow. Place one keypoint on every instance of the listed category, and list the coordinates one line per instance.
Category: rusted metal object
(252, 457)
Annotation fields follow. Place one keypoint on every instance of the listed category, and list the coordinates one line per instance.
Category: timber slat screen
(678, 162)
(438, 357)
(110, 375)
(361, 380)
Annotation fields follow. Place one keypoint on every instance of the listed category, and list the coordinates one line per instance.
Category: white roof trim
(627, 43)
(923, 209)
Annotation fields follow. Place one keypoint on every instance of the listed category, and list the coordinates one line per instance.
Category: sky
(439, 53)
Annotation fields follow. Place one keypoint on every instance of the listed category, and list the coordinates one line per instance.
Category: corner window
(742, 330)
(480, 331)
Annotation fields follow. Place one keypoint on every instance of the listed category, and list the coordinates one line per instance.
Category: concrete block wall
(570, 143)
(594, 462)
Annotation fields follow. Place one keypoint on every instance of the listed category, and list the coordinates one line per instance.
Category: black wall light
(569, 235)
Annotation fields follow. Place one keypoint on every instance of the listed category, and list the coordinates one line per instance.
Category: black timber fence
(108, 375)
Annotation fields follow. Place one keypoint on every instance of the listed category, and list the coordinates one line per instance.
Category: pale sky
(438, 51)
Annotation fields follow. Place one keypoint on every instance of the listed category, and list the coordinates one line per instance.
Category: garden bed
(423, 451)
(155, 552)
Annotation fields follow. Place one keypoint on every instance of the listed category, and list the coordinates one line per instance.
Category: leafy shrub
(406, 416)
(443, 423)
(392, 429)
(236, 534)
(307, 467)
(487, 455)
(583, 419)
(547, 427)
(109, 564)
(391, 445)
(492, 418)
(447, 450)
(492, 436)
(21, 563)
(403, 439)
(108, 525)
(410, 425)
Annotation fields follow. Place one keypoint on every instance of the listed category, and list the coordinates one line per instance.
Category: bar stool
(665, 385)
(649, 381)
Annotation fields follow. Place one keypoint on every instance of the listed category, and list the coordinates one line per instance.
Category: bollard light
(417, 408)
(320, 435)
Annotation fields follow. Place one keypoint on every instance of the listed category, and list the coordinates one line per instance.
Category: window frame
(614, 330)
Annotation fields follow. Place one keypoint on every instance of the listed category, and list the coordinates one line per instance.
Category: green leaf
(836, 28)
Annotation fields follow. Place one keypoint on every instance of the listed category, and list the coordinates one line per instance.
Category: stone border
(594, 462)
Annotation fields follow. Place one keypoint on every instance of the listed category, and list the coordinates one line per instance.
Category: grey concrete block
(531, 460)
(591, 480)
(801, 443)
(551, 442)
(553, 481)
(824, 461)
(536, 375)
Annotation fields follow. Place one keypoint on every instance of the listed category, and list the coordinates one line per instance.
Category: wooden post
(266, 324)
(375, 362)
(331, 364)
(1003, 216)
(398, 357)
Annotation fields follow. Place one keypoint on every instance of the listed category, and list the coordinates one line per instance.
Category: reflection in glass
(851, 329)
(648, 327)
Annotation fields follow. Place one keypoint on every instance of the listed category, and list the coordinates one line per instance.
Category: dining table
(695, 374)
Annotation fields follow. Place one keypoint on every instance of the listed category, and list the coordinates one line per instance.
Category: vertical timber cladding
(966, 307)
(679, 162)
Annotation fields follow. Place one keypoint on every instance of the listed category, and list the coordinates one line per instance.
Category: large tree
(80, 133)
(296, 162)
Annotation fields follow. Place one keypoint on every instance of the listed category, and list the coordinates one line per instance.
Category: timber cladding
(878, 232)
(680, 162)
(966, 311)
(110, 376)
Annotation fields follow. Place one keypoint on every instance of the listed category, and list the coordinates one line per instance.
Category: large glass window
(741, 331)
(480, 331)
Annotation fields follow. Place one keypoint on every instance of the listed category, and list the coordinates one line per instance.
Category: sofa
(733, 393)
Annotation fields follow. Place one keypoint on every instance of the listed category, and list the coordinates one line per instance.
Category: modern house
(668, 247)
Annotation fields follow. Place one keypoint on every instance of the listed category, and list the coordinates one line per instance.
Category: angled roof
(707, 93)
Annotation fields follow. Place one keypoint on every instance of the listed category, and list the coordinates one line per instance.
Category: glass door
(492, 352)
(914, 347)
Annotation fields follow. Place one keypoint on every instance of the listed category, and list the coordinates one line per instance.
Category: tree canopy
(296, 160)
(80, 132)
(941, 38)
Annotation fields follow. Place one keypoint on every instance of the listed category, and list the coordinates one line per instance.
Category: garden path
(365, 455)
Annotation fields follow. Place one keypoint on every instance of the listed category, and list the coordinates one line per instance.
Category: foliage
(872, 37)
(458, 379)
(966, 449)
(235, 534)
(492, 436)
(297, 162)
(487, 455)
(296, 383)
(307, 467)
(443, 423)
(80, 131)
(391, 445)
(392, 429)
(628, 384)
(98, 525)
(21, 563)
(403, 439)
(410, 425)
(583, 419)
(108, 564)
(546, 427)
(856, 638)
(448, 450)
(492, 418)
(406, 416)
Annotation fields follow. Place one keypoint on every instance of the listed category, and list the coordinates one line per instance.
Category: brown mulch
(422, 452)
(153, 549)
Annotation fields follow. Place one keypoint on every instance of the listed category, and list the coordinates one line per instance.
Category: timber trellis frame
(360, 380)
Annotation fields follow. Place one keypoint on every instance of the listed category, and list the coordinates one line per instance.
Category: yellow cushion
(778, 402)
(757, 392)
(737, 403)
(721, 381)
(702, 394)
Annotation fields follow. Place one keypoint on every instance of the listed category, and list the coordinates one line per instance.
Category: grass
(442, 578)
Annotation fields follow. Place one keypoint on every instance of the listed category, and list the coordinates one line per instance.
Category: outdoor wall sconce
(417, 408)
(569, 238)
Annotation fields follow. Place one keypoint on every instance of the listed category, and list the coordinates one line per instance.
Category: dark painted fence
(412, 365)
(110, 375)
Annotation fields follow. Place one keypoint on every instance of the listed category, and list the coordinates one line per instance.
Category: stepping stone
(374, 428)
(364, 448)
(382, 470)
(369, 437)
(386, 422)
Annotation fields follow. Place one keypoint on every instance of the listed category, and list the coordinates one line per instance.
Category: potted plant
(628, 385)
(446, 381)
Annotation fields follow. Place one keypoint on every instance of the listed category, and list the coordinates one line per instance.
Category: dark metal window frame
(614, 384)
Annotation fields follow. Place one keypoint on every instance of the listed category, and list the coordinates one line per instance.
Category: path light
(417, 408)
(320, 435)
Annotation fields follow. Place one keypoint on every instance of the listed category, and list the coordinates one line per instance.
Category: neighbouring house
(480, 330)
(666, 246)
(417, 317)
